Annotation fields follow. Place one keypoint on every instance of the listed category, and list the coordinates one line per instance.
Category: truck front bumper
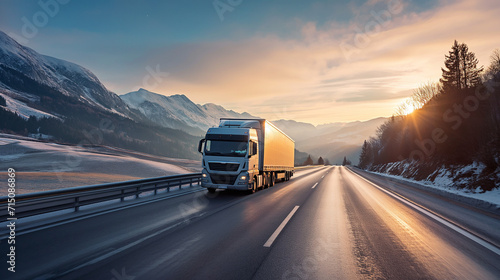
(227, 187)
(226, 181)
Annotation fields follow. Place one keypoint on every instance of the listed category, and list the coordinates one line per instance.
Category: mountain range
(178, 111)
(47, 95)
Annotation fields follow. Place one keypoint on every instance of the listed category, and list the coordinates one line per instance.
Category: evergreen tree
(366, 156)
(346, 161)
(470, 71)
(321, 161)
(451, 76)
(461, 70)
(308, 161)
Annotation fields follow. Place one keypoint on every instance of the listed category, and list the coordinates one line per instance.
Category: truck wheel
(211, 190)
(254, 187)
(272, 180)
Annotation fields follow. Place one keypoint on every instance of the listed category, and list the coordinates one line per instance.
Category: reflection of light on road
(427, 241)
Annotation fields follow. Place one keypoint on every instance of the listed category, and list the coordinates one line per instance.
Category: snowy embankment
(44, 166)
(468, 181)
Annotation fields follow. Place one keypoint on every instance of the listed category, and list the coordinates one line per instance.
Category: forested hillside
(453, 122)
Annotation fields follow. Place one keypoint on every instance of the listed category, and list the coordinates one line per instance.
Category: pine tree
(471, 74)
(321, 161)
(451, 77)
(344, 162)
(461, 70)
(366, 156)
(308, 161)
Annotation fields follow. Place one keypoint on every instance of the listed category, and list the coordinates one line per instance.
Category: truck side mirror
(200, 145)
(253, 149)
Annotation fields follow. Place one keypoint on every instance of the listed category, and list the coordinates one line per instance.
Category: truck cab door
(253, 156)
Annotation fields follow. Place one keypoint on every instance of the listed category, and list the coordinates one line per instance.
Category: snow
(23, 110)
(444, 182)
(45, 166)
(69, 66)
(65, 77)
(181, 108)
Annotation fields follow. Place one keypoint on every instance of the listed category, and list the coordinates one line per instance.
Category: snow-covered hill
(22, 70)
(178, 111)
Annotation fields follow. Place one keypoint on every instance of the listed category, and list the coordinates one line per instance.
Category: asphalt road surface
(325, 223)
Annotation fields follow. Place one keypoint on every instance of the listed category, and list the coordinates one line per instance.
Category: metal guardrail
(44, 202)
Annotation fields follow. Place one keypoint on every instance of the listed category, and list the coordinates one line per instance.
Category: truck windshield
(226, 148)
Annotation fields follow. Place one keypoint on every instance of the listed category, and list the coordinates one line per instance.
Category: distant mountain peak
(20, 65)
(178, 111)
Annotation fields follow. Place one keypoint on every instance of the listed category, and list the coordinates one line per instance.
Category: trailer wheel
(211, 190)
(272, 179)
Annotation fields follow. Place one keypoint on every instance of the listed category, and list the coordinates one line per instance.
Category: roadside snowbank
(466, 180)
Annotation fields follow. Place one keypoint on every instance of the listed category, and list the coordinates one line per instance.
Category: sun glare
(408, 110)
(405, 108)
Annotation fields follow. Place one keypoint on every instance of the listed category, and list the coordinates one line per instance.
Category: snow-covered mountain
(178, 111)
(23, 72)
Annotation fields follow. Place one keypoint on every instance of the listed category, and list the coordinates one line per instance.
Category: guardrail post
(137, 192)
(191, 182)
(180, 184)
(77, 204)
(168, 186)
(156, 190)
(123, 195)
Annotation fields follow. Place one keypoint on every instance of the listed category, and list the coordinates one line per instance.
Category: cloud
(312, 78)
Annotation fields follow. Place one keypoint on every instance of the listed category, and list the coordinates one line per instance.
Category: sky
(310, 61)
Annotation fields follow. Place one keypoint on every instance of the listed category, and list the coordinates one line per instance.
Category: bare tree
(423, 94)
(420, 96)
(494, 68)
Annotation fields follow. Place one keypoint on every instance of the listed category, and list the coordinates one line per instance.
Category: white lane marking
(275, 234)
(463, 232)
(314, 186)
(322, 176)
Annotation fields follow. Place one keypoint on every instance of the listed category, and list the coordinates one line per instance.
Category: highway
(325, 223)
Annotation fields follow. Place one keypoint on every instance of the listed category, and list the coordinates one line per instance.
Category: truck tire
(254, 187)
(211, 190)
(272, 180)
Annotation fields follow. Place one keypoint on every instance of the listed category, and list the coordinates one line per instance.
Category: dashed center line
(275, 234)
(314, 186)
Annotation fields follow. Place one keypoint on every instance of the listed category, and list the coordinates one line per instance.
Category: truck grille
(219, 166)
(223, 179)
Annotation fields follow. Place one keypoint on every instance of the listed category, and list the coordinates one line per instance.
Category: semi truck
(246, 155)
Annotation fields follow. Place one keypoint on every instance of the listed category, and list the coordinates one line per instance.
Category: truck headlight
(204, 175)
(243, 178)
